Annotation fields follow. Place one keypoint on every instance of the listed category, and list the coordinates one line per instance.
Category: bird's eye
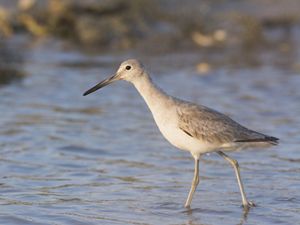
(128, 67)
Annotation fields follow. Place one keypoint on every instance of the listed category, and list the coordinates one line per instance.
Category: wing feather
(211, 126)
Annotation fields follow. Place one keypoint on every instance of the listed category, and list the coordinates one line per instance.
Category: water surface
(68, 159)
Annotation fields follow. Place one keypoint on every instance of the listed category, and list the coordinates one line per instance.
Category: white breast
(168, 126)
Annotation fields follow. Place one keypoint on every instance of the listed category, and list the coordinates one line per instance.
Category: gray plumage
(214, 127)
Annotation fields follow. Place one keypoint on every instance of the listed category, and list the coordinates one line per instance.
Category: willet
(190, 127)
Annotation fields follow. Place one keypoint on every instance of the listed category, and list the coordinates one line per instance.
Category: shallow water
(68, 159)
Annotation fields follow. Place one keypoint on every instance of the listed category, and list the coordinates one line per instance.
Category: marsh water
(100, 159)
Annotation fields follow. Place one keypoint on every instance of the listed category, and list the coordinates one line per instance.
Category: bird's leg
(194, 184)
(235, 165)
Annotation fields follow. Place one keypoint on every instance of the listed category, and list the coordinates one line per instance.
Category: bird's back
(211, 126)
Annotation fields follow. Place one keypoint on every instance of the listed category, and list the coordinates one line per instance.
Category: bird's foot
(187, 206)
(249, 205)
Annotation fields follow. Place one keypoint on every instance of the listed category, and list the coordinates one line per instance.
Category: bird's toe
(249, 205)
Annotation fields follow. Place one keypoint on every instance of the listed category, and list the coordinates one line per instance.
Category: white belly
(169, 129)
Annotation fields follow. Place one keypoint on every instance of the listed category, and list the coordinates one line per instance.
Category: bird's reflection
(195, 220)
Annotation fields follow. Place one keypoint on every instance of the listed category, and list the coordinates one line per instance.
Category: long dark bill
(100, 85)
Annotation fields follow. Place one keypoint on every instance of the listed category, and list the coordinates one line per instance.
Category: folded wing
(211, 126)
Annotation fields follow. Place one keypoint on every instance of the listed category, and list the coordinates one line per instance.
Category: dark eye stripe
(128, 67)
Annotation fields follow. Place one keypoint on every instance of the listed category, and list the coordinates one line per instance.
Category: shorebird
(190, 127)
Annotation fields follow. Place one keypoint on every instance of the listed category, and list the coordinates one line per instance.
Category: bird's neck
(154, 97)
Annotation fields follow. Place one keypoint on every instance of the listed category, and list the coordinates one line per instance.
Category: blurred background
(68, 159)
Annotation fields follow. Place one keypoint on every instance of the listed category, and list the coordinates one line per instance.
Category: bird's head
(129, 70)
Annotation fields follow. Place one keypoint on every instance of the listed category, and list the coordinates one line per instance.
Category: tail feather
(269, 139)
